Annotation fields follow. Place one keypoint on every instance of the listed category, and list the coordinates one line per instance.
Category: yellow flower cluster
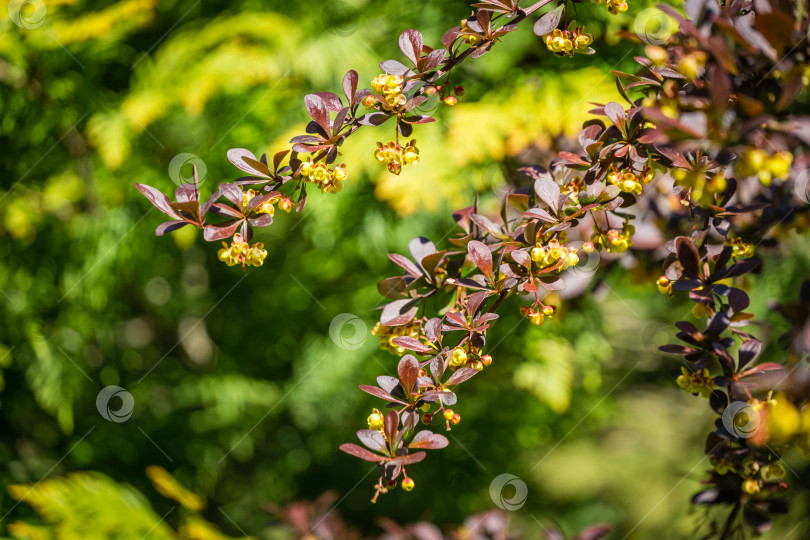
(267, 207)
(387, 333)
(574, 186)
(614, 6)
(537, 317)
(698, 382)
(739, 249)
(627, 181)
(329, 181)
(614, 241)
(389, 87)
(239, 252)
(756, 162)
(565, 42)
(461, 358)
(702, 188)
(395, 156)
(552, 254)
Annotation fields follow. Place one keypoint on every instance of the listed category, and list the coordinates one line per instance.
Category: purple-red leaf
(318, 110)
(398, 312)
(460, 376)
(379, 392)
(169, 226)
(410, 43)
(158, 199)
(481, 256)
(360, 452)
(408, 371)
(412, 344)
(428, 440)
(372, 439)
(212, 233)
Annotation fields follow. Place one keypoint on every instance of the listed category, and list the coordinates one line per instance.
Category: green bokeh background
(239, 390)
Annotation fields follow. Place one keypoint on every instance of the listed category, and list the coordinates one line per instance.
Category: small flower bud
(459, 90)
(427, 418)
(448, 414)
(450, 100)
(456, 419)
(486, 359)
(750, 486)
(408, 484)
(588, 247)
(664, 285)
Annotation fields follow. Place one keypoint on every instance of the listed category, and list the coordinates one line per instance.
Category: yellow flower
(340, 173)
(784, 421)
(408, 484)
(375, 420)
(699, 382)
(625, 180)
(410, 155)
(535, 317)
(779, 164)
(458, 358)
(664, 285)
(267, 207)
(616, 6)
(739, 249)
(285, 204)
(247, 196)
(256, 255)
(702, 310)
(320, 173)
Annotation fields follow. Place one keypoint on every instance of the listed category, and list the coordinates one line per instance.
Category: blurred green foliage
(239, 390)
